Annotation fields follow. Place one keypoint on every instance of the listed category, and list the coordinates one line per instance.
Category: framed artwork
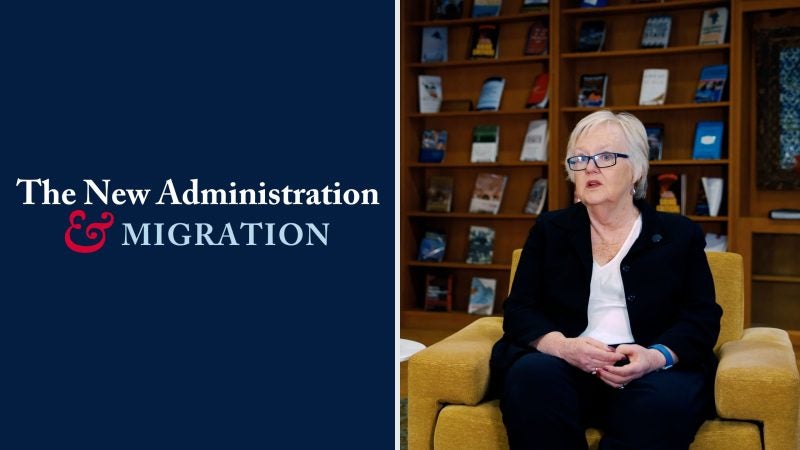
(778, 109)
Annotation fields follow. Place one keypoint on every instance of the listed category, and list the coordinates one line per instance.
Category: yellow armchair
(757, 385)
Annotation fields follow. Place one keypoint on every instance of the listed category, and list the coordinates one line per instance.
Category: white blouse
(607, 311)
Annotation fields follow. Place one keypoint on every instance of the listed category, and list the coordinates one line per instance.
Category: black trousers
(548, 404)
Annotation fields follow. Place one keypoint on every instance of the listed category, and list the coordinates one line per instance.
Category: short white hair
(635, 137)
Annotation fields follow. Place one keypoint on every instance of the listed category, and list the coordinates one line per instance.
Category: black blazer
(668, 286)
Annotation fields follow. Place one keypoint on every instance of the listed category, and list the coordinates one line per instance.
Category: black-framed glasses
(601, 160)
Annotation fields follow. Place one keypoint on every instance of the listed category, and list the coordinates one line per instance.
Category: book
(592, 36)
(536, 198)
(481, 296)
(784, 214)
(439, 194)
(432, 246)
(656, 32)
(540, 92)
(491, 94)
(654, 87)
(714, 26)
(484, 41)
(716, 242)
(434, 44)
(485, 143)
(712, 191)
(655, 140)
(708, 140)
(712, 83)
(592, 92)
(538, 38)
(430, 93)
(534, 148)
(481, 245)
(534, 5)
(487, 193)
(486, 8)
(593, 3)
(434, 144)
(670, 193)
(438, 292)
(447, 9)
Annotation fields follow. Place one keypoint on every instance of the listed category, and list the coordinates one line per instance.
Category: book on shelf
(439, 194)
(484, 41)
(434, 145)
(538, 38)
(487, 193)
(481, 245)
(447, 9)
(716, 242)
(438, 292)
(714, 26)
(430, 93)
(712, 83)
(534, 147)
(670, 193)
(534, 5)
(591, 36)
(491, 94)
(654, 87)
(485, 143)
(785, 214)
(593, 3)
(708, 137)
(592, 91)
(540, 92)
(486, 8)
(655, 140)
(537, 197)
(432, 246)
(656, 32)
(434, 44)
(710, 196)
(481, 296)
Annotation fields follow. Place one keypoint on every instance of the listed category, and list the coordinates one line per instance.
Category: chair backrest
(728, 273)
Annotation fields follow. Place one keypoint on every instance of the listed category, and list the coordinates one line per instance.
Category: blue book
(486, 8)
(711, 84)
(491, 93)
(708, 140)
(593, 3)
(434, 144)
(434, 44)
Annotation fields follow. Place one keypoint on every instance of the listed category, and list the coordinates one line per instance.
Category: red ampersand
(92, 231)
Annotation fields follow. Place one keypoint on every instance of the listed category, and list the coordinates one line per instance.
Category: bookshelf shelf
(689, 162)
(476, 166)
(643, 7)
(458, 265)
(687, 49)
(776, 278)
(489, 114)
(667, 107)
(473, 216)
(469, 21)
(479, 62)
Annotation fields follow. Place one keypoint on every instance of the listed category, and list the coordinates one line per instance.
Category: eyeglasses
(601, 160)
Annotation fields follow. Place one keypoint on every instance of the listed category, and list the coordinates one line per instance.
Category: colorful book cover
(432, 246)
(439, 195)
(534, 148)
(485, 143)
(537, 197)
(654, 87)
(538, 38)
(714, 26)
(592, 92)
(487, 193)
(534, 5)
(434, 145)
(655, 140)
(481, 245)
(540, 92)
(656, 32)
(430, 93)
(491, 94)
(708, 140)
(484, 41)
(481, 297)
(434, 44)
(592, 36)
(486, 8)
(447, 9)
(670, 193)
(712, 83)
(438, 292)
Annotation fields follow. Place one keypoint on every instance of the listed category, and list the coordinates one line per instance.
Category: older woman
(612, 320)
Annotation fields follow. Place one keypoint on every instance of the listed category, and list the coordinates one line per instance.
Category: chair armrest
(757, 379)
(454, 370)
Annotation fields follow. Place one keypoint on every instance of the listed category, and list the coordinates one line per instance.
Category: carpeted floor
(403, 424)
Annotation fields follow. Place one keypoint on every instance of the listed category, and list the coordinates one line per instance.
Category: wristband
(667, 355)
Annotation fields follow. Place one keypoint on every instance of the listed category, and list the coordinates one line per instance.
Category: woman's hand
(584, 353)
(642, 362)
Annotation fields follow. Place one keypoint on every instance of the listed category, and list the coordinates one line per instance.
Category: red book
(537, 39)
(538, 96)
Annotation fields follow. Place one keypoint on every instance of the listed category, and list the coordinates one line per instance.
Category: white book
(713, 189)
(654, 87)
(485, 143)
(481, 296)
(537, 197)
(714, 26)
(430, 93)
(534, 148)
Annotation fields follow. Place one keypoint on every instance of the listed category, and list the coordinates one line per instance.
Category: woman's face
(609, 185)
